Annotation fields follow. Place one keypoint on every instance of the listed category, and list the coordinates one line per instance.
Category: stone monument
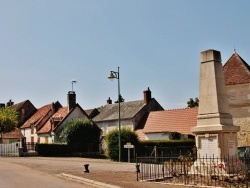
(215, 134)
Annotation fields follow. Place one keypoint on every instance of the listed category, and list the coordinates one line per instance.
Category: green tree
(112, 139)
(193, 102)
(82, 134)
(8, 120)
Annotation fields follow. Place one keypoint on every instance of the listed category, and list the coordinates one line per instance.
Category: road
(14, 175)
(46, 172)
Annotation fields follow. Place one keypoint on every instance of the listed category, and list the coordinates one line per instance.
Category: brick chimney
(147, 95)
(109, 101)
(71, 100)
(53, 108)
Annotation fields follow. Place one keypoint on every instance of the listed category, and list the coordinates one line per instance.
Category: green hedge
(53, 149)
(165, 147)
(64, 150)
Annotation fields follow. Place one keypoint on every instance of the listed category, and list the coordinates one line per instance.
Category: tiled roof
(25, 110)
(13, 134)
(58, 116)
(127, 109)
(18, 106)
(236, 71)
(40, 113)
(178, 120)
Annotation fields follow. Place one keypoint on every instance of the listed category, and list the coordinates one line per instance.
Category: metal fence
(29, 146)
(187, 170)
(11, 149)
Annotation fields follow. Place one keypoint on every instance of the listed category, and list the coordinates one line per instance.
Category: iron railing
(189, 170)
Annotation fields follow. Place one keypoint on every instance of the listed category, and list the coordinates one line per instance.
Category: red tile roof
(178, 120)
(13, 134)
(57, 117)
(40, 113)
(236, 71)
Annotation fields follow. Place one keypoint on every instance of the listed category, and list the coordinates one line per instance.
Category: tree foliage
(8, 120)
(193, 102)
(112, 139)
(80, 131)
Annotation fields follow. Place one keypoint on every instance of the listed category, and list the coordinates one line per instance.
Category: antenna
(73, 82)
(234, 49)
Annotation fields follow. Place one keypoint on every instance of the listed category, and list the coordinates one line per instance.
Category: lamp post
(111, 76)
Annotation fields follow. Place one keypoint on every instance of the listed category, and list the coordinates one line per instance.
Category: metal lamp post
(111, 76)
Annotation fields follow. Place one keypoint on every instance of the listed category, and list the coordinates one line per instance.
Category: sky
(45, 44)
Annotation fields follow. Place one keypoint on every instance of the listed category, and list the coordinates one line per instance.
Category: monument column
(215, 134)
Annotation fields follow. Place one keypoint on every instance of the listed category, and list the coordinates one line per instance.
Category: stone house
(132, 114)
(237, 80)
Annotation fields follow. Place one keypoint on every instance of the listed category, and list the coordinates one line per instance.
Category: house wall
(239, 103)
(157, 136)
(9, 141)
(25, 112)
(108, 126)
(46, 138)
(161, 136)
(77, 113)
(27, 133)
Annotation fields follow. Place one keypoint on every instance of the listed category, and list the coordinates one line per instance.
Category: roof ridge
(176, 109)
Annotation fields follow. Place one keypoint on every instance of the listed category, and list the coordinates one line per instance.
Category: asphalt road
(14, 175)
(39, 172)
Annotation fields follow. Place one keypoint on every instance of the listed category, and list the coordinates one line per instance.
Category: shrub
(112, 139)
(81, 135)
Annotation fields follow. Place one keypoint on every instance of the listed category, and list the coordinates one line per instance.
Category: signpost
(128, 146)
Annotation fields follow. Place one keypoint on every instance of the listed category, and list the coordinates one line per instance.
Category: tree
(8, 120)
(112, 139)
(82, 134)
(193, 103)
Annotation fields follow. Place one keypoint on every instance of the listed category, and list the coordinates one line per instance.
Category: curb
(88, 181)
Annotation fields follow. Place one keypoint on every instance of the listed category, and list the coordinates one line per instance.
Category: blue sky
(44, 44)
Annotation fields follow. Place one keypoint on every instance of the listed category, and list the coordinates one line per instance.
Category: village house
(24, 110)
(169, 124)
(132, 114)
(30, 128)
(47, 123)
(162, 124)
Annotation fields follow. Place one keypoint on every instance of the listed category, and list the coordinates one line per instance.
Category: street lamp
(112, 76)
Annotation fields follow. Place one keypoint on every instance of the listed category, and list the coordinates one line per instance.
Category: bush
(81, 135)
(112, 139)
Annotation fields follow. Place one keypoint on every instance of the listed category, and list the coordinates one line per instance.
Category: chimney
(71, 100)
(53, 109)
(109, 101)
(147, 96)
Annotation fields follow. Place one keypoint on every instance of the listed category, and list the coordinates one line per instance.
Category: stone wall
(239, 103)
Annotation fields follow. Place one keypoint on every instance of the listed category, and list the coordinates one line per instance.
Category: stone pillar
(216, 136)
